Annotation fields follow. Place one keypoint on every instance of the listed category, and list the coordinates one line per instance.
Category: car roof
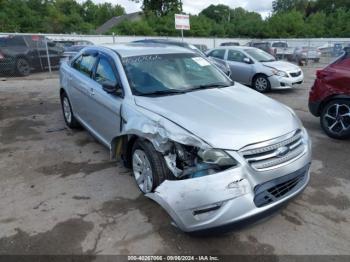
(139, 49)
(239, 48)
(165, 41)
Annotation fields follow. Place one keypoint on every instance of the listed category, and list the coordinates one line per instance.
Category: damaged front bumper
(232, 196)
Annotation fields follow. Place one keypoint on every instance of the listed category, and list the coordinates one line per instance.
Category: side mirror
(247, 60)
(112, 88)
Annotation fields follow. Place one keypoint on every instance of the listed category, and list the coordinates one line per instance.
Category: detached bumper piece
(279, 188)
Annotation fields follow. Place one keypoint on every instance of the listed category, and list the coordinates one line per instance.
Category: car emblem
(282, 151)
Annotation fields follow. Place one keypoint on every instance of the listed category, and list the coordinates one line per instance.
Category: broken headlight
(217, 157)
(189, 162)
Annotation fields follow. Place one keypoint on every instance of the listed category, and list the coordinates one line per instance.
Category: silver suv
(211, 152)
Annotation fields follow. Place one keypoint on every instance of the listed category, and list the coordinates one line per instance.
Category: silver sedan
(211, 152)
(254, 67)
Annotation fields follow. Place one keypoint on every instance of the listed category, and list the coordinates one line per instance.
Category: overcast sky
(263, 7)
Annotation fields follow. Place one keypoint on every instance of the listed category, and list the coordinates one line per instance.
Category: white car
(258, 69)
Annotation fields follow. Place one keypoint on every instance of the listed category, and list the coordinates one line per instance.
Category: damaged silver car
(211, 152)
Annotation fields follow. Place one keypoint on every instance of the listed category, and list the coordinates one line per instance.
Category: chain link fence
(25, 54)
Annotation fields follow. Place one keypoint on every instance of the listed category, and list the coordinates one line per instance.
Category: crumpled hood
(283, 66)
(227, 118)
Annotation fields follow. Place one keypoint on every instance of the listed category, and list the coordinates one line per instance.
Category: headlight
(280, 73)
(217, 157)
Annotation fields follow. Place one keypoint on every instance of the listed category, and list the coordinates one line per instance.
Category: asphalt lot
(60, 194)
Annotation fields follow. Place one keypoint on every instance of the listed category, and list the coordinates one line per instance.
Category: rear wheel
(68, 115)
(22, 67)
(261, 84)
(148, 166)
(335, 119)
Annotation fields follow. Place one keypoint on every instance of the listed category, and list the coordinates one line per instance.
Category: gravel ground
(60, 194)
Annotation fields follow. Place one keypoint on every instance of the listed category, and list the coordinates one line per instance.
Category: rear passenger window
(84, 64)
(104, 72)
(218, 53)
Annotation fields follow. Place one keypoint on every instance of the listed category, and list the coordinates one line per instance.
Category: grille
(275, 154)
(296, 74)
(279, 188)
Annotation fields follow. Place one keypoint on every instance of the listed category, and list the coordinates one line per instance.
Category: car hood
(283, 66)
(227, 118)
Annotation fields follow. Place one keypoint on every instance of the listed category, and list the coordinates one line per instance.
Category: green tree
(160, 7)
(290, 24)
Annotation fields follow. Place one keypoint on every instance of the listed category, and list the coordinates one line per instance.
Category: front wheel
(261, 84)
(22, 67)
(335, 119)
(148, 166)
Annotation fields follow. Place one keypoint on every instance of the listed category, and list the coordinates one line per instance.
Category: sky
(263, 7)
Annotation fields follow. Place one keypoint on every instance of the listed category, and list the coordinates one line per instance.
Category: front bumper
(278, 82)
(314, 108)
(233, 196)
(7, 64)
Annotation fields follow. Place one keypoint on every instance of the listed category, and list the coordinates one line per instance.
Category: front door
(240, 70)
(103, 107)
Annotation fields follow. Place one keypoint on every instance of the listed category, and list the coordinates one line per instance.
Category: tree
(279, 6)
(290, 24)
(160, 7)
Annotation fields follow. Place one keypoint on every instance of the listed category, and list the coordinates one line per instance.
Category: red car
(330, 97)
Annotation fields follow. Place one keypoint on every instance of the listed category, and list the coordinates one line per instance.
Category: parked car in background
(22, 54)
(330, 97)
(210, 153)
(222, 66)
(265, 46)
(201, 47)
(71, 51)
(283, 51)
(258, 69)
(230, 44)
(68, 43)
(302, 55)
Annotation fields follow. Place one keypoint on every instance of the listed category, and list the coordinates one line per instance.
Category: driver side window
(235, 56)
(105, 73)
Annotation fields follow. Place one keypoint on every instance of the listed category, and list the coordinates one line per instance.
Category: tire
(22, 67)
(68, 114)
(148, 166)
(261, 84)
(335, 119)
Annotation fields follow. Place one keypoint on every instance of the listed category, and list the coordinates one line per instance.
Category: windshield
(260, 55)
(280, 45)
(171, 73)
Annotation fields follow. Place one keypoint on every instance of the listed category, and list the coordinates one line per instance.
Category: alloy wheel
(67, 110)
(23, 67)
(142, 171)
(337, 118)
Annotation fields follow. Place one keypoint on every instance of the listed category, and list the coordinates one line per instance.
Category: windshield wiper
(265, 61)
(161, 93)
(208, 86)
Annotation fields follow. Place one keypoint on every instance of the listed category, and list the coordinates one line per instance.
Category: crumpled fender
(157, 129)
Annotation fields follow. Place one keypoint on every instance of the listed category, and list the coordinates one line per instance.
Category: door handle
(92, 92)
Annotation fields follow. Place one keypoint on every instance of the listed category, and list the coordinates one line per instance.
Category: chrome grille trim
(265, 156)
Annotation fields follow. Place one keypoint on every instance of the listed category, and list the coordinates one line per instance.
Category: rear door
(240, 71)
(218, 55)
(103, 107)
